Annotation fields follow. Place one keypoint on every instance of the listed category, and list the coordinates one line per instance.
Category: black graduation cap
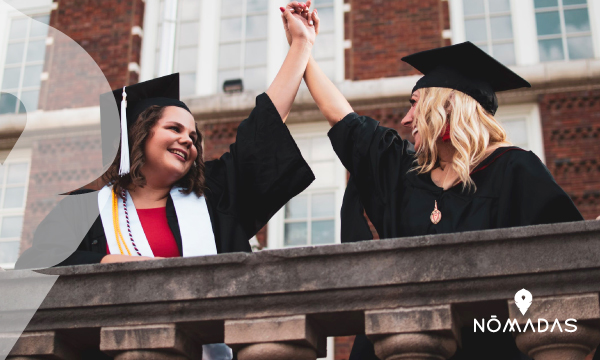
(467, 68)
(125, 105)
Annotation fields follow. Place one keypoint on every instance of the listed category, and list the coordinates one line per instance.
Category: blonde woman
(461, 175)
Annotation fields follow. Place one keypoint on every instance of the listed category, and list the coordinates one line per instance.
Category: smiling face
(409, 120)
(169, 149)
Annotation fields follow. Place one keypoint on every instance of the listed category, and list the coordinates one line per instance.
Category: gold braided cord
(118, 234)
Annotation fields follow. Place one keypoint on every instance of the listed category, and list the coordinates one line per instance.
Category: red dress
(159, 235)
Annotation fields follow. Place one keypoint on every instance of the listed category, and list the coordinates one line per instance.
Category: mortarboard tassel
(124, 169)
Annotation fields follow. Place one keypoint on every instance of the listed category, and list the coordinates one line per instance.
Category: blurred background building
(554, 44)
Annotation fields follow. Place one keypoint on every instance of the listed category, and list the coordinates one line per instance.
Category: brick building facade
(360, 49)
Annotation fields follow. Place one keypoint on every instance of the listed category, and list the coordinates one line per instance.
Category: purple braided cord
(124, 197)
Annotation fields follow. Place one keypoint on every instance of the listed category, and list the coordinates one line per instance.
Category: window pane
(14, 53)
(574, 2)
(39, 27)
(32, 75)
(256, 26)
(328, 67)
(516, 131)
(29, 100)
(484, 48)
(323, 232)
(14, 198)
(318, 3)
(324, 46)
(257, 5)
(297, 208)
(501, 28)
(580, 48)
(11, 227)
(17, 173)
(188, 84)
(324, 174)
(323, 205)
(295, 234)
(18, 29)
(256, 53)
(473, 7)
(8, 105)
(255, 78)
(497, 6)
(475, 30)
(11, 78)
(545, 3)
(188, 34)
(231, 29)
(231, 7)
(187, 59)
(189, 9)
(505, 53)
(321, 149)
(548, 23)
(229, 55)
(9, 252)
(577, 20)
(551, 50)
(327, 20)
(36, 50)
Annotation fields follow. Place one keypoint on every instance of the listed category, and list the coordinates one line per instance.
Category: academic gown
(513, 188)
(245, 187)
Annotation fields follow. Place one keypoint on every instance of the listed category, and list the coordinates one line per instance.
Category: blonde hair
(472, 130)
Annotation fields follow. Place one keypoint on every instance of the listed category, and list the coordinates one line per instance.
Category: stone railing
(410, 296)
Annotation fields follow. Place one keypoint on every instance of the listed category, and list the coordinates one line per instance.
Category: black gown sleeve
(262, 171)
(58, 238)
(377, 159)
(531, 196)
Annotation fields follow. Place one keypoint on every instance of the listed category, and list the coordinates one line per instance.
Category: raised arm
(329, 99)
(285, 86)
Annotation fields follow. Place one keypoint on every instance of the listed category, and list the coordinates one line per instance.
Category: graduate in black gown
(208, 207)
(462, 174)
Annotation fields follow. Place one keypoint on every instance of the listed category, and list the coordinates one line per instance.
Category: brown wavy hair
(192, 182)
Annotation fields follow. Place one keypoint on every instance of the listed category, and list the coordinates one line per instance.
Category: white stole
(197, 236)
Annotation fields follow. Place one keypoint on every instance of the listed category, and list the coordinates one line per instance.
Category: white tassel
(125, 167)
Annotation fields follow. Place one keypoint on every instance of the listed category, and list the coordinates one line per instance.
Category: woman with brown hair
(160, 198)
(461, 174)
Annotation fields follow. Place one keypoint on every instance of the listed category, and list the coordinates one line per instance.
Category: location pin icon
(523, 300)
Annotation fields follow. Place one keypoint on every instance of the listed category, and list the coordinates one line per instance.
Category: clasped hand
(299, 22)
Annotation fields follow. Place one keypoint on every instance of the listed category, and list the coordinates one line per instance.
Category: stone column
(281, 338)
(557, 340)
(149, 342)
(42, 345)
(424, 333)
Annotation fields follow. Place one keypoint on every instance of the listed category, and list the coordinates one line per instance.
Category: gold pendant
(436, 215)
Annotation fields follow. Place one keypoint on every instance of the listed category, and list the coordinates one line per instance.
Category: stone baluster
(413, 333)
(42, 345)
(556, 343)
(281, 338)
(149, 342)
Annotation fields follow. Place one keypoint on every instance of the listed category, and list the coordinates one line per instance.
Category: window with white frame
(523, 127)
(324, 50)
(488, 24)
(14, 178)
(243, 34)
(185, 49)
(312, 217)
(563, 30)
(24, 62)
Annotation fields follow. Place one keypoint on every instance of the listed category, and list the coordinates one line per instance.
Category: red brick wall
(383, 31)
(571, 129)
(103, 30)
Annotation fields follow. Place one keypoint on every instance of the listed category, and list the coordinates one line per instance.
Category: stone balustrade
(410, 296)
